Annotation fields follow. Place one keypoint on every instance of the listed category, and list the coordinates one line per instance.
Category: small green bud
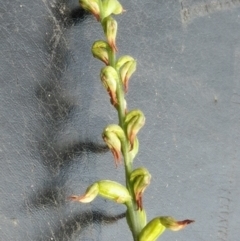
(152, 231)
(158, 225)
(105, 188)
(91, 6)
(109, 77)
(114, 191)
(90, 194)
(174, 225)
(126, 72)
(110, 29)
(135, 148)
(140, 179)
(123, 60)
(111, 6)
(134, 121)
(114, 145)
(100, 50)
(114, 136)
(126, 66)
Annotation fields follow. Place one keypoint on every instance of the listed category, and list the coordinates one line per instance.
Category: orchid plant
(122, 138)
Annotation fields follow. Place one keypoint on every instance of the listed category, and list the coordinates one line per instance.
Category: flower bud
(114, 136)
(90, 194)
(123, 60)
(100, 50)
(114, 191)
(91, 6)
(134, 121)
(109, 77)
(111, 6)
(152, 231)
(135, 148)
(110, 29)
(140, 179)
(158, 225)
(105, 188)
(126, 66)
(114, 144)
(172, 224)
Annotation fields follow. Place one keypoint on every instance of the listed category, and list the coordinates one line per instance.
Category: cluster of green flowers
(122, 138)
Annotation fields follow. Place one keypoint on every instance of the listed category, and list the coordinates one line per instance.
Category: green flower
(158, 225)
(91, 6)
(126, 66)
(100, 50)
(134, 121)
(110, 29)
(140, 179)
(114, 136)
(111, 7)
(109, 77)
(106, 189)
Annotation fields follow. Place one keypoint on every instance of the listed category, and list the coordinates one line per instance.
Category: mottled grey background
(53, 109)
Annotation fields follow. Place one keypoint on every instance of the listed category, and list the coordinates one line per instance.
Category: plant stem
(133, 213)
(112, 58)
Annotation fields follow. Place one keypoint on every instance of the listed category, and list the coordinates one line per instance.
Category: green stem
(112, 58)
(134, 216)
